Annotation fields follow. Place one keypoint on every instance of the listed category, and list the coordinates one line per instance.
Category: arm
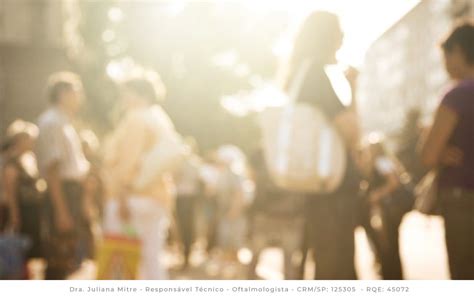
(434, 150)
(352, 75)
(10, 181)
(61, 214)
(91, 190)
(347, 124)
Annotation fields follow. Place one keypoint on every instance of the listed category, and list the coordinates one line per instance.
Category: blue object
(12, 256)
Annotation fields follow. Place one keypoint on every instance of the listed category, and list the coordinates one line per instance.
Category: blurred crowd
(65, 188)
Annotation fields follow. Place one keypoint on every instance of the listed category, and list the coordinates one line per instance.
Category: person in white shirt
(62, 163)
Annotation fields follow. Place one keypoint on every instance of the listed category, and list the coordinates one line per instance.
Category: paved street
(422, 245)
(422, 248)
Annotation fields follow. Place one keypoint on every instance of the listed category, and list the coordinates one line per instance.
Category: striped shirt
(58, 142)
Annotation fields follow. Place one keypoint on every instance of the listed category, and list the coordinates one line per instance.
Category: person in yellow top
(144, 206)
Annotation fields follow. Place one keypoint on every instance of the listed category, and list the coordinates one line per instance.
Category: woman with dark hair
(22, 187)
(330, 217)
(145, 207)
(449, 148)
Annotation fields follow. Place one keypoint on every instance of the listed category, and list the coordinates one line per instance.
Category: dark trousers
(384, 241)
(31, 226)
(373, 235)
(212, 220)
(185, 209)
(458, 213)
(3, 216)
(63, 248)
(390, 249)
(331, 223)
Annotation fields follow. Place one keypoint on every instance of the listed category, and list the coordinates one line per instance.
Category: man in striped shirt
(62, 163)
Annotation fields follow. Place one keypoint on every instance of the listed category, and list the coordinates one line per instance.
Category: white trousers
(149, 219)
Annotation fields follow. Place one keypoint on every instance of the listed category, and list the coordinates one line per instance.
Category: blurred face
(455, 63)
(130, 99)
(72, 99)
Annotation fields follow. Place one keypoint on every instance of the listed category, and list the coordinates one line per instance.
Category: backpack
(303, 151)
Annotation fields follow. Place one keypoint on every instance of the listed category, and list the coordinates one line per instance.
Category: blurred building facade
(32, 45)
(403, 69)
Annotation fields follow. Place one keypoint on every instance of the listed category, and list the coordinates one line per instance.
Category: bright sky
(363, 20)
